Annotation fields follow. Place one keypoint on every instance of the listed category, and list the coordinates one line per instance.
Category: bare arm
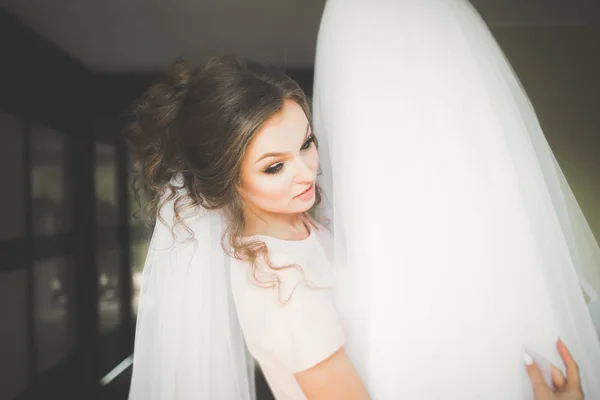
(333, 379)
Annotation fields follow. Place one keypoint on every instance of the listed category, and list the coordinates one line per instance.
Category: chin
(305, 207)
(297, 208)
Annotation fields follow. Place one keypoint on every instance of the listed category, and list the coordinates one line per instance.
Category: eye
(308, 143)
(273, 169)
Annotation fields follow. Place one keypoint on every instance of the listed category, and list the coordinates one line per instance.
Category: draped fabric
(188, 342)
(458, 242)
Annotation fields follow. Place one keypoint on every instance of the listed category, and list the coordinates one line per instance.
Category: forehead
(280, 133)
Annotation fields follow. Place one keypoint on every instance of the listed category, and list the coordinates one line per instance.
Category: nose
(304, 174)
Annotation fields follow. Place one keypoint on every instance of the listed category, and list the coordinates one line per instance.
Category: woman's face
(280, 166)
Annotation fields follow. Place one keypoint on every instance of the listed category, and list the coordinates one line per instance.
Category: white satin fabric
(188, 344)
(458, 242)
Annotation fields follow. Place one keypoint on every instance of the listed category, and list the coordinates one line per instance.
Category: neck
(280, 226)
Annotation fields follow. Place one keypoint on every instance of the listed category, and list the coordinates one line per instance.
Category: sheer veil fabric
(188, 343)
(458, 242)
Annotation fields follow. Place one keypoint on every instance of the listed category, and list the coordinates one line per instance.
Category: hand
(568, 388)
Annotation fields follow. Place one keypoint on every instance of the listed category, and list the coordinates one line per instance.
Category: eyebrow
(279, 154)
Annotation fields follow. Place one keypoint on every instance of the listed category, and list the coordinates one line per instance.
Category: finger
(535, 376)
(558, 379)
(573, 379)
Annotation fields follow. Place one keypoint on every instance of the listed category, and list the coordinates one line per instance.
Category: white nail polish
(527, 358)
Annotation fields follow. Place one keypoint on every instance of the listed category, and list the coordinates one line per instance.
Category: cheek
(270, 189)
(313, 161)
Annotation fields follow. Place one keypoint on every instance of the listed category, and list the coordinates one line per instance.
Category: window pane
(12, 212)
(14, 334)
(109, 285)
(50, 181)
(106, 185)
(109, 302)
(54, 310)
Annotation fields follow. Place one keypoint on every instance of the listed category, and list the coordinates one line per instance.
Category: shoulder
(297, 326)
(263, 286)
(290, 264)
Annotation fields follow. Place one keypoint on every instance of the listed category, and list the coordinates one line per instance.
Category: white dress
(294, 328)
(458, 243)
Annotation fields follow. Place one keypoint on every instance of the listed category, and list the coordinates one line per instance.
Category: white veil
(188, 342)
(458, 242)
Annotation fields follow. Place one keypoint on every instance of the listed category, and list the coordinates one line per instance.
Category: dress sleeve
(297, 332)
(304, 331)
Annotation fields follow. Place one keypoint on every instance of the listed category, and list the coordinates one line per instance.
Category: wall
(559, 67)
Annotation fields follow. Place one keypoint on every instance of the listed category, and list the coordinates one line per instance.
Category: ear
(242, 193)
(241, 190)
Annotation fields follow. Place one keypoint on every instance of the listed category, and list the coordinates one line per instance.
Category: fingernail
(527, 358)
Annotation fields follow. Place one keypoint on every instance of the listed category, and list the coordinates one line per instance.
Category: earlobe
(240, 191)
(239, 187)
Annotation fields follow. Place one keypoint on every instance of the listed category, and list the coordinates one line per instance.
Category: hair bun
(153, 132)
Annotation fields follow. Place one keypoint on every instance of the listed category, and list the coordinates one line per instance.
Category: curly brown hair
(197, 125)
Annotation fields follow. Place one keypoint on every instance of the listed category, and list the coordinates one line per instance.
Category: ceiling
(144, 35)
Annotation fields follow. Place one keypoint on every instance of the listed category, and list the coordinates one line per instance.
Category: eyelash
(308, 143)
(272, 170)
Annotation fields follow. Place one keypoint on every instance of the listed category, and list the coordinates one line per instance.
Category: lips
(307, 190)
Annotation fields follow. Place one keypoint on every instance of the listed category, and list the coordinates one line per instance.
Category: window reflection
(50, 183)
(109, 306)
(108, 255)
(54, 311)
